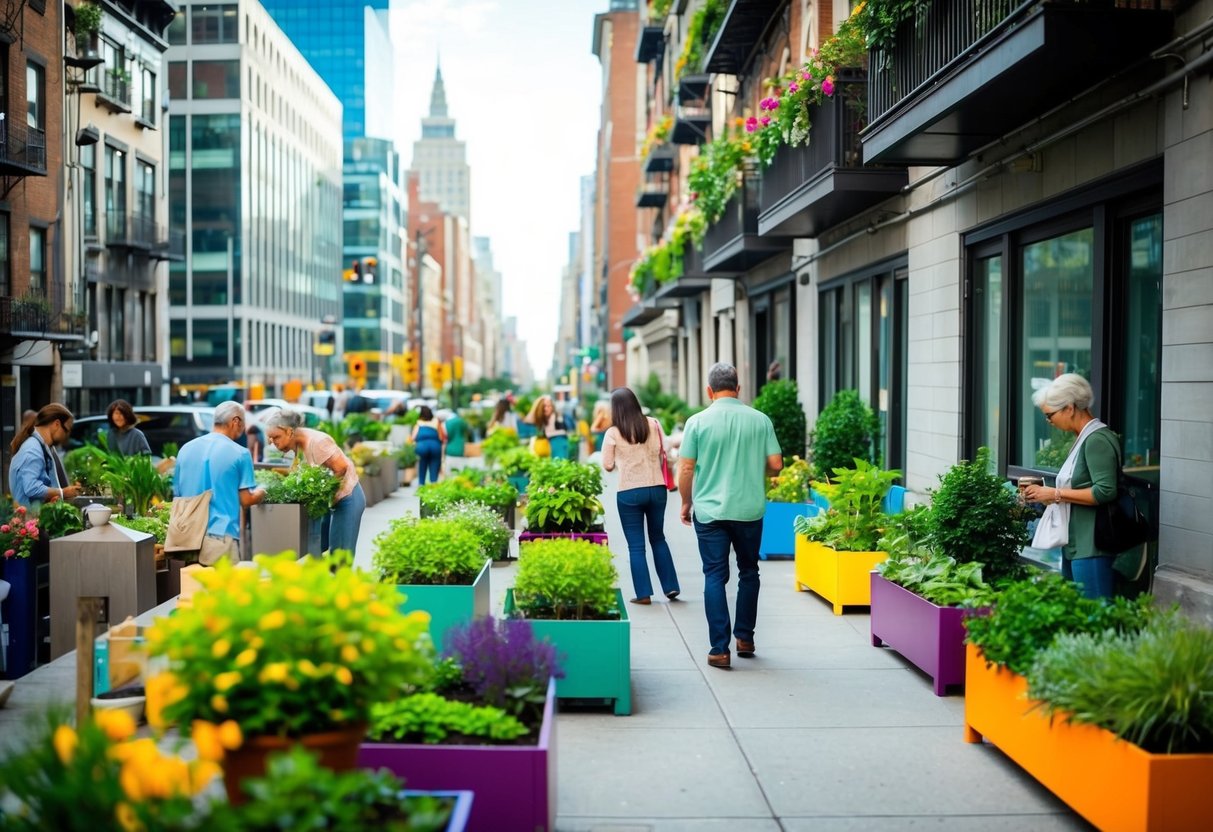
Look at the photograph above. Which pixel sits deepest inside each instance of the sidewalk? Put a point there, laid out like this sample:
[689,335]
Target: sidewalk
[818,731]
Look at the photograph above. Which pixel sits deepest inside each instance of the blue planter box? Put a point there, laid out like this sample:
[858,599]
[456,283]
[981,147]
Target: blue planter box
[893,503]
[778,537]
[18,611]
[448,605]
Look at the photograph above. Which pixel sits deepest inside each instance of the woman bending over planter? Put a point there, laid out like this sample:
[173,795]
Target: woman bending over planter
[634,444]
[339,530]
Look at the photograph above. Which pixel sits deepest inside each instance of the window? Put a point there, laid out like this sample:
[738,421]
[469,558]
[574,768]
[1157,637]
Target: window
[117,323]
[177,29]
[147,106]
[145,191]
[5,270]
[864,330]
[37,260]
[214,23]
[35,95]
[88,186]
[115,193]
[216,79]
[116,80]
[176,81]
[210,342]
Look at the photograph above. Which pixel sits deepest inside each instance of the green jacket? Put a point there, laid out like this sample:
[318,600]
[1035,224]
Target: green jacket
[1098,468]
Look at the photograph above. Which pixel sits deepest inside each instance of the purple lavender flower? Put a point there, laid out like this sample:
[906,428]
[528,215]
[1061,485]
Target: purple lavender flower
[503,662]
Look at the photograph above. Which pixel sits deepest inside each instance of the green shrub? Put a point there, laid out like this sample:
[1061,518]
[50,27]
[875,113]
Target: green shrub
[311,486]
[147,525]
[791,485]
[846,430]
[516,462]
[406,457]
[855,520]
[564,579]
[976,518]
[486,524]
[59,519]
[431,718]
[780,400]
[1153,687]
[502,439]
[1030,613]
[429,551]
[86,466]
[562,496]
[439,496]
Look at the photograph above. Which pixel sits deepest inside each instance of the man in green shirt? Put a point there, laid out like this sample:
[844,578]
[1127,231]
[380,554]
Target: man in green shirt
[727,453]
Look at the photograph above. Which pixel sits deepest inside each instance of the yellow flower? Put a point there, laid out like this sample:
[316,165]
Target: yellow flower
[246,658]
[65,742]
[230,735]
[117,725]
[342,601]
[124,813]
[272,620]
[306,667]
[226,681]
[163,691]
[220,648]
[202,772]
[295,595]
[219,703]
[274,672]
[368,645]
[131,784]
[379,609]
[349,654]
[206,739]
[343,675]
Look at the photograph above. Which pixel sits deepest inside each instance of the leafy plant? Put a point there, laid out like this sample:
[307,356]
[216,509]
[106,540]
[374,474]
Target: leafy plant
[147,525]
[879,21]
[716,172]
[169,450]
[503,663]
[975,518]
[311,486]
[297,793]
[940,580]
[516,462]
[136,480]
[365,428]
[657,135]
[1052,454]
[658,9]
[406,457]
[59,519]
[855,520]
[86,465]
[485,524]
[439,496]
[780,401]
[430,551]
[846,429]
[337,431]
[499,442]
[88,20]
[791,485]
[701,31]
[563,496]
[1032,612]
[565,579]
[18,534]
[431,718]
[1153,687]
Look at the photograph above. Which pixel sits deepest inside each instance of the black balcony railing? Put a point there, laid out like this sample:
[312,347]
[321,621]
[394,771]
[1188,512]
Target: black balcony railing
[654,193]
[650,43]
[134,230]
[731,245]
[691,124]
[660,159]
[744,24]
[983,67]
[22,149]
[116,91]
[41,316]
[170,244]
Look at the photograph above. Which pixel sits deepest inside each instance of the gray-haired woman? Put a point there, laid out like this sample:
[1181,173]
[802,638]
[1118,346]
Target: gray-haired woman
[1088,478]
[339,530]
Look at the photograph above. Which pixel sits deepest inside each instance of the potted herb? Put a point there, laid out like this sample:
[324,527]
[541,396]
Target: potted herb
[295,658]
[59,519]
[787,499]
[516,464]
[437,566]
[563,501]
[468,486]
[288,519]
[568,590]
[486,524]
[836,550]
[485,722]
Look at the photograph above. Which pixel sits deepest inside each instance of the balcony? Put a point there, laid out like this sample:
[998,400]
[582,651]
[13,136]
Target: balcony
[650,45]
[745,22]
[649,308]
[169,244]
[732,244]
[974,70]
[654,193]
[811,188]
[134,231]
[660,159]
[693,89]
[22,149]
[115,94]
[693,282]
[40,318]
[691,124]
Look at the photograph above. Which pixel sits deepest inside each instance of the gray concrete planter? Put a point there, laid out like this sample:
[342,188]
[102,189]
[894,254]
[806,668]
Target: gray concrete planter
[277,528]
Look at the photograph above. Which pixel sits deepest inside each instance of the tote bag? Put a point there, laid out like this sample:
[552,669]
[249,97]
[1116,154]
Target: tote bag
[187,523]
[667,473]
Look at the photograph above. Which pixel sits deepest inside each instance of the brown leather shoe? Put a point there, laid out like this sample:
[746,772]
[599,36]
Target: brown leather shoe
[645,600]
[720,660]
[745,649]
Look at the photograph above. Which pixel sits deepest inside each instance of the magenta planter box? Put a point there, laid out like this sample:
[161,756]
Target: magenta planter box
[593,537]
[930,637]
[515,785]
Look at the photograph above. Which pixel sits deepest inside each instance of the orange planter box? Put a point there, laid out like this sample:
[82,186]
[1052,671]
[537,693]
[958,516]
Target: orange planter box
[1110,782]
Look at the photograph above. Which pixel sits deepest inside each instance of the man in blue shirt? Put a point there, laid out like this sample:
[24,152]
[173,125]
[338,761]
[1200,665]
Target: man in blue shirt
[217,463]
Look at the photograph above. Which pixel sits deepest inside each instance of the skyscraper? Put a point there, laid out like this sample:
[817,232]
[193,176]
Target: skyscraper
[348,43]
[441,159]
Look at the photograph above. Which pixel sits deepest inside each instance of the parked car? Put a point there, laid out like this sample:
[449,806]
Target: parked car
[312,416]
[171,423]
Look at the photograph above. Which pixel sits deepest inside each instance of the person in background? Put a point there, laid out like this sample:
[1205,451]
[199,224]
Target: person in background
[633,444]
[728,451]
[254,438]
[124,438]
[456,434]
[550,425]
[599,422]
[429,437]
[1088,478]
[36,473]
[216,462]
[504,415]
[339,528]
[774,371]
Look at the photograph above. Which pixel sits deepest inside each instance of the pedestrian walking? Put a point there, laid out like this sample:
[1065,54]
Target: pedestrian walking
[727,452]
[504,415]
[634,444]
[550,426]
[600,420]
[456,428]
[339,528]
[429,438]
[216,463]
[36,474]
[124,438]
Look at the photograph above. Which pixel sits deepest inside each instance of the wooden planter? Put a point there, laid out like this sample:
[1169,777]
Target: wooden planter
[842,578]
[450,604]
[277,528]
[778,536]
[1112,783]
[596,655]
[929,636]
[515,785]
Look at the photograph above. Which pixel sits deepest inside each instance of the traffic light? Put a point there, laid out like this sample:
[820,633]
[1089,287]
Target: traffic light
[358,369]
[412,368]
[457,368]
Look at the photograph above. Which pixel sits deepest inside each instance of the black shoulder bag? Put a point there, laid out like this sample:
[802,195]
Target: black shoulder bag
[1120,524]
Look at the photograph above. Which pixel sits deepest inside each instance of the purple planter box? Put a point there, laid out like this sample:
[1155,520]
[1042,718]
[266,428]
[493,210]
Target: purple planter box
[515,785]
[930,637]
[593,537]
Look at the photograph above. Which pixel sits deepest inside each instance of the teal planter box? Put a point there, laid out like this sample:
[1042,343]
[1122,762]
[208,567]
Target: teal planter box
[448,605]
[596,655]
[778,535]
[520,483]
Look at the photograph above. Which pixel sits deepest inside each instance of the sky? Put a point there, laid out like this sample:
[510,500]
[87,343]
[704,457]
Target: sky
[525,91]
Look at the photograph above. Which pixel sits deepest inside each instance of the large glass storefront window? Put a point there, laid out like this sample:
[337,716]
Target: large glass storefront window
[1141,348]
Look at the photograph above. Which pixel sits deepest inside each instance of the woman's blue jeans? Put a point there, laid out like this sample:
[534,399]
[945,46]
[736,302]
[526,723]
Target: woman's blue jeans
[715,540]
[1093,575]
[636,507]
[344,521]
[429,460]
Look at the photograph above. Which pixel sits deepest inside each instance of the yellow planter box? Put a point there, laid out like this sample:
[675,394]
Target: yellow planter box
[1112,783]
[842,578]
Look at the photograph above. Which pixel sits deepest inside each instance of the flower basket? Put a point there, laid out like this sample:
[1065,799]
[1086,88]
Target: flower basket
[842,578]
[1111,782]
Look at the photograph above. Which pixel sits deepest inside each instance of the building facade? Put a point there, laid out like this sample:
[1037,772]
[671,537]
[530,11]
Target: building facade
[255,185]
[440,159]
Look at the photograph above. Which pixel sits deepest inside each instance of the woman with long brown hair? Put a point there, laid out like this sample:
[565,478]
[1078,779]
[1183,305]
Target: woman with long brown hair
[124,438]
[36,474]
[634,443]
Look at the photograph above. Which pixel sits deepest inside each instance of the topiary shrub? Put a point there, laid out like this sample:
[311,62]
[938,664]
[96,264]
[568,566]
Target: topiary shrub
[780,400]
[845,431]
[975,518]
[430,551]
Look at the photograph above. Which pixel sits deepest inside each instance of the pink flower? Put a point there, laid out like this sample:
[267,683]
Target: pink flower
[8,553]
[751,124]
[793,87]
[806,76]
[769,104]
[21,509]
[4,528]
[827,86]
[21,532]
[30,526]
[765,120]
